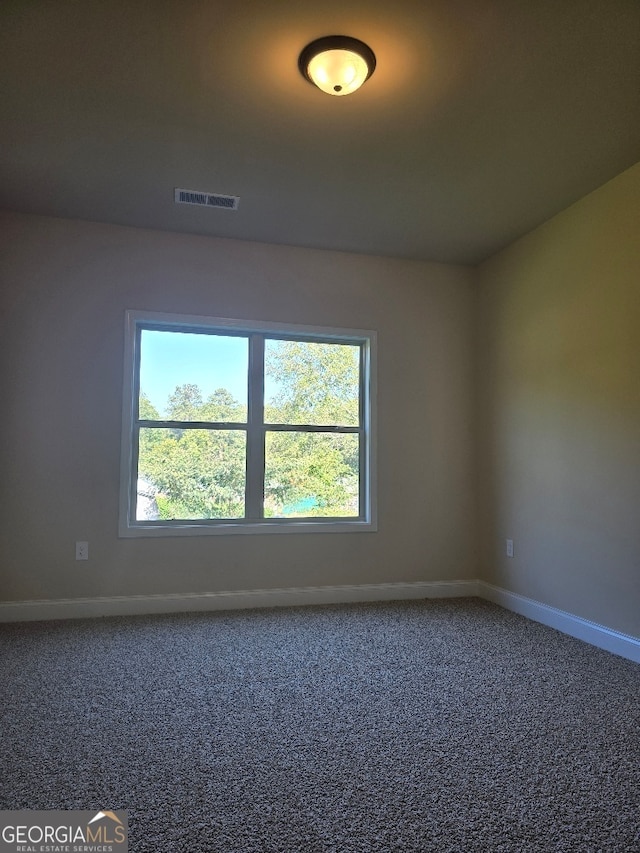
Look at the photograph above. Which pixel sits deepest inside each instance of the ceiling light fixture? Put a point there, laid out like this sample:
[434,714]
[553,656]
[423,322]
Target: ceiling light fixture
[338,65]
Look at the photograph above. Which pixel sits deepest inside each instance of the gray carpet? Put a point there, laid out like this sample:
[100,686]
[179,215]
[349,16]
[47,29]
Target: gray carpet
[421,726]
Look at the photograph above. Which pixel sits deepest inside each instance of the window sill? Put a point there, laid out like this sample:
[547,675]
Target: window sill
[151,531]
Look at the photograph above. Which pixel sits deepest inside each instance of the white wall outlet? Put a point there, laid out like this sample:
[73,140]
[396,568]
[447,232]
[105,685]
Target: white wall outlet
[509,547]
[82,550]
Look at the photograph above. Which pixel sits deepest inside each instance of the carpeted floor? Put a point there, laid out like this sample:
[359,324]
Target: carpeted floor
[412,726]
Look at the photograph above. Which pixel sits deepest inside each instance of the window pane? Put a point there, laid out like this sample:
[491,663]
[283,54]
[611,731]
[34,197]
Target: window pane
[311,383]
[190,474]
[193,377]
[311,474]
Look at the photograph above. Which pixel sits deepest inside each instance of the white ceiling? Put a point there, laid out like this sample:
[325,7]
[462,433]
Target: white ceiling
[483,117]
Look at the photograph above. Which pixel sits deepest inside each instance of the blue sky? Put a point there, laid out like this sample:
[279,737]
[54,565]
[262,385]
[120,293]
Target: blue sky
[209,361]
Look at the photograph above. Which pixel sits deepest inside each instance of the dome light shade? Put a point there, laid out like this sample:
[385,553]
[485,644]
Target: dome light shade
[338,65]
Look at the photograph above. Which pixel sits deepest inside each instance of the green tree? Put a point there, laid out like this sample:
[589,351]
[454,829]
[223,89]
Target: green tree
[148,437]
[317,383]
[185,404]
[222,406]
[199,473]
[148,411]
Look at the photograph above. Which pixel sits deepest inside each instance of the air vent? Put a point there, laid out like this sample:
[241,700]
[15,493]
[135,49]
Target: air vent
[228,202]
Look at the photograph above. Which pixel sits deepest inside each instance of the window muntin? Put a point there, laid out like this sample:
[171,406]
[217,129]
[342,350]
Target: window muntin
[285,442]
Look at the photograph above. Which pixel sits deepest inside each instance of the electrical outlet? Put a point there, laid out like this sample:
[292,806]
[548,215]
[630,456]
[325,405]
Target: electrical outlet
[509,547]
[82,550]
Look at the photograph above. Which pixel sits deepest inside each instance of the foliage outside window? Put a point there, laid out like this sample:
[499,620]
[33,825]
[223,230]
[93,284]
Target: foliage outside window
[234,428]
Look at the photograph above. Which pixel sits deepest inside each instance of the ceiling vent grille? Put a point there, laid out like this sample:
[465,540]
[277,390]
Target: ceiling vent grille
[227,202]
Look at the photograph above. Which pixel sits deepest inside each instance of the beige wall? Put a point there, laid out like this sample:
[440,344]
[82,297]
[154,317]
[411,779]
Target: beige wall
[544,339]
[559,402]
[65,288]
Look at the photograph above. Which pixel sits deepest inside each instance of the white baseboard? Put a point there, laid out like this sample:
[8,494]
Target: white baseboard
[78,608]
[597,635]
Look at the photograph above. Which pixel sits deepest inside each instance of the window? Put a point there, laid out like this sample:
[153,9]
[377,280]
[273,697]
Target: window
[232,427]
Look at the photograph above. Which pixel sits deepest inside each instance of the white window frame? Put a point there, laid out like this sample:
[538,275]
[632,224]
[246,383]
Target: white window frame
[367,521]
